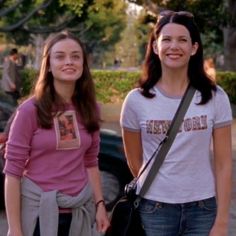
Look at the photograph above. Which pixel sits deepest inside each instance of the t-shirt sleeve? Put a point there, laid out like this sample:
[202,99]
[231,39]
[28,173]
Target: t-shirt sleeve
[129,113]
[223,111]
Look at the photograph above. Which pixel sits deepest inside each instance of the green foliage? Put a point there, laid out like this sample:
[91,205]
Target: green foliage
[28,77]
[98,23]
[227,80]
[113,86]
[55,13]
[106,20]
[75,6]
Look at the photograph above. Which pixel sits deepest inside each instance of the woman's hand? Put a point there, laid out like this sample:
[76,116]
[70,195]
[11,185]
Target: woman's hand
[102,219]
[14,233]
[219,229]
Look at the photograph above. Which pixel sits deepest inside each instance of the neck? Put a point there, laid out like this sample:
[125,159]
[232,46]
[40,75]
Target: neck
[174,84]
[65,90]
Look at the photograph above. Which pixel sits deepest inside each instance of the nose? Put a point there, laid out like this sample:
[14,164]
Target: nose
[174,44]
[68,60]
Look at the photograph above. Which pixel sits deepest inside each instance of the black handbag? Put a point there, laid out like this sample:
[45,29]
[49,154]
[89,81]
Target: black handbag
[125,219]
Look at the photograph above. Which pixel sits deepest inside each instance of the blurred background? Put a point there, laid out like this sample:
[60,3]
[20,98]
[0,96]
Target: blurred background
[115,31]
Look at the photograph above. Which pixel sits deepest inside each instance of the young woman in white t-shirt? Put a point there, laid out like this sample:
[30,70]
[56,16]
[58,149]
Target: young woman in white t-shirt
[187,196]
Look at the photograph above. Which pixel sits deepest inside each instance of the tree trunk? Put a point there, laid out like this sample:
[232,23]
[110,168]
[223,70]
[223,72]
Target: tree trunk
[230,48]
[38,40]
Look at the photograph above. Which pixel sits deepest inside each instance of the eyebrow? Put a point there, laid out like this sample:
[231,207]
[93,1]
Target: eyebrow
[73,52]
[170,35]
[179,36]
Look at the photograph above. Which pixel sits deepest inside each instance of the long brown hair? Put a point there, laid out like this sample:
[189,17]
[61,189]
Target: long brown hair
[48,101]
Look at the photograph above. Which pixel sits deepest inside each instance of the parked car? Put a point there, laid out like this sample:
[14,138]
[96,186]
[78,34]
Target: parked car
[112,164]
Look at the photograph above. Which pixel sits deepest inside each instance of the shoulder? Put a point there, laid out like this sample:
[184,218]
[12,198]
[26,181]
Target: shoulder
[27,105]
[25,115]
[134,94]
[220,90]
[220,93]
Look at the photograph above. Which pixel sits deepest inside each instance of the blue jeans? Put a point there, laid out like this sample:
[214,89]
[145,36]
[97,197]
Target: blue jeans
[63,225]
[188,219]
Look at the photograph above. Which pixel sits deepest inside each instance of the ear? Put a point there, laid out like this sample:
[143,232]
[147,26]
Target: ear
[194,48]
[154,47]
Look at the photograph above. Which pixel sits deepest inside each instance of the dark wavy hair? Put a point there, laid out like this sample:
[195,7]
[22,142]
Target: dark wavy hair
[152,70]
[48,102]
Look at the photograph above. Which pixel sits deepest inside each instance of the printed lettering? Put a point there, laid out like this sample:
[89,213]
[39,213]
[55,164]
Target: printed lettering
[190,124]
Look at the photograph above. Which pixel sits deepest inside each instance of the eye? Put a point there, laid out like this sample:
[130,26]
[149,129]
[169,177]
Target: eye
[183,40]
[165,39]
[76,57]
[59,57]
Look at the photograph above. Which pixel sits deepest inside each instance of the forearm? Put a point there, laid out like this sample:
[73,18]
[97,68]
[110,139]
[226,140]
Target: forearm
[223,173]
[101,214]
[95,181]
[133,150]
[12,201]
[223,191]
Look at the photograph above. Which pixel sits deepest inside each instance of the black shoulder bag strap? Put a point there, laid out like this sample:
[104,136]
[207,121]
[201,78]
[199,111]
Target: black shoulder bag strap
[163,148]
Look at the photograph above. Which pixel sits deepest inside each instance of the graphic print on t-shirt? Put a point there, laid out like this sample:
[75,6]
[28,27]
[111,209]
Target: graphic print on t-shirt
[67,131]
[161,127]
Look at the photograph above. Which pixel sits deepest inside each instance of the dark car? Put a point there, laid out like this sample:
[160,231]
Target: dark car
[112,164]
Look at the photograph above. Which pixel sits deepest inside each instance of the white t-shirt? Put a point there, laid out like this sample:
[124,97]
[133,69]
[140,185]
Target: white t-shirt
[186,174]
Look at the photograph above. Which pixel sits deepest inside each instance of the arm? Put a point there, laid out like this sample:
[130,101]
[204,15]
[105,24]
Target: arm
[222,145]
[8,125]
[16,157]
[101,214]
[12,201]
[133,150]
[4,134]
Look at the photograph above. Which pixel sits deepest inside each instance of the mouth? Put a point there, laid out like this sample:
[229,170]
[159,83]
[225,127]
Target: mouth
[69,70]
[174,56]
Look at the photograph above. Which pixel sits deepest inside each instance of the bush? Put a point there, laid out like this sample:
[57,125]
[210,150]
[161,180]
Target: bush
[112,85]
[28,76]
[227,80]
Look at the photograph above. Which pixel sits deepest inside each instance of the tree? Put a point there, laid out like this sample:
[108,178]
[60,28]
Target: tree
[216,23]
[98,23]
[106,20]
[230,36]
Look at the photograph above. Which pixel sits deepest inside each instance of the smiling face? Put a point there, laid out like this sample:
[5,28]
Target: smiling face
[66,61]
[174,46]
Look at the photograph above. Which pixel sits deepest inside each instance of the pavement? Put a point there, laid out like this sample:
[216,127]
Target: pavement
[110,116]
